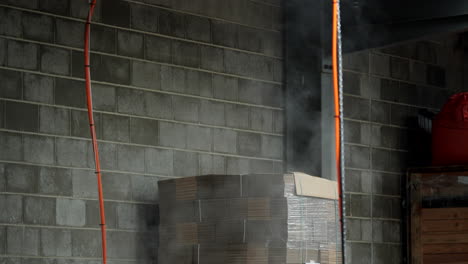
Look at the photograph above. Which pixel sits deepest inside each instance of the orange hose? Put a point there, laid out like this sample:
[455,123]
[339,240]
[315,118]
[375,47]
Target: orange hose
[89,100]
[336,96]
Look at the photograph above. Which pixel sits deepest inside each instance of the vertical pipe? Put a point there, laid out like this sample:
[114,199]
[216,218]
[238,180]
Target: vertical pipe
[338,100]
[92,127]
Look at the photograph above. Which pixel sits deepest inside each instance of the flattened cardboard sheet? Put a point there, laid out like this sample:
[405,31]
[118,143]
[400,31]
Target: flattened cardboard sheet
[312,186]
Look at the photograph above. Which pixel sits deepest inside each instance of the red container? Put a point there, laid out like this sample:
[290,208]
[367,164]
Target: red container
[450,132]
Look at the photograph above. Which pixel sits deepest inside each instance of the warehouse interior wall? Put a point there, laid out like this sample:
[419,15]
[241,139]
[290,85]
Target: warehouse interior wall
[181,88]
[384,91]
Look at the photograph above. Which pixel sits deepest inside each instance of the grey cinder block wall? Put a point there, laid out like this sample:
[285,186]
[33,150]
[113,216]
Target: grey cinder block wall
[180,88]
[384,90]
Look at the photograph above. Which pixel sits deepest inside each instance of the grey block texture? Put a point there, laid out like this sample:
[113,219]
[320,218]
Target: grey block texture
[180,88]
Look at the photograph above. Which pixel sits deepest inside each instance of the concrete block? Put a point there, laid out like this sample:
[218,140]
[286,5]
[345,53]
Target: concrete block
[72,152]
[417,72]
[116,13]
[402,115]
[112,69]
[390,137]
[158,105]
[386,207]
[399,68]
[136,216]
[3,235]
[386,254]
[116,128]
[171,23]
[144,18]
[358,181]
[104,97]
[56,242]
[386,231]
[10,22]
[39,149]
[79,9]
[225,141]
[380,64]
[145,188]
[11,87]
[359,253]
[198,28]
[70,93]
[425,51]
[172,135]
[2,178]
[103,39]
[194,81]
[84,184]
[199,138]
[237,116]
[55,181]
[3,51]
[54,120]
[23,241]
[70,212]
[2,114]
[250,39]
[146,75]
[272,43]
[237,165]
[357,157]
[261,119]
[131,158]
[69,33]
[159,161]
[353,83]
[118,245]
[39,210]
[212,58]
[11,145]
[263,166]
[359,230]
[12,211]
[360,205]
[22,55]
[278,122]
[21,179]
[272,147]
[158,49]
[391,161]
[186,109]
[80,124]
[177,78]
[251,91]
[38,88]
[270,95]
[55,7]
[167,78]
[126,99]
[21,116]
[186,54]
[224,33]
[212,164]
[380,112]
[358,61]
[93,217]
[38,27]
[108,155]
[86,243]
[144,131]
[130,44]
[356,108]
[357,132]
[386,183]
[212,113]
[249,144]
[225,87]
[185,164]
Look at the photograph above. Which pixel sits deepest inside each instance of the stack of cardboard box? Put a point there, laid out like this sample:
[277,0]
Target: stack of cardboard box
[248,219]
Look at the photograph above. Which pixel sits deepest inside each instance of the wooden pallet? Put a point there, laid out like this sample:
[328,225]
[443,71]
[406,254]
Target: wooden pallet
[438,234]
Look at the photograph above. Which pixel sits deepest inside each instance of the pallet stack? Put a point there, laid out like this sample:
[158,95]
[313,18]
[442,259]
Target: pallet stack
[246,219]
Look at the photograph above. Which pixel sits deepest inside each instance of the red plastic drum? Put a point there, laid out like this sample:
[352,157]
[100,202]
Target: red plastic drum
[450,132]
